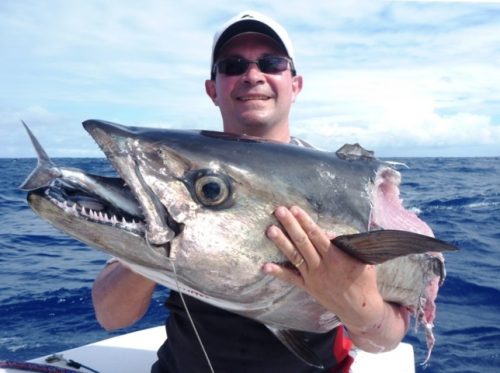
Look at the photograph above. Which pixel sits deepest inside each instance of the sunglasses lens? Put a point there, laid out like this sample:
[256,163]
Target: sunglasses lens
[232,66]
[273,65]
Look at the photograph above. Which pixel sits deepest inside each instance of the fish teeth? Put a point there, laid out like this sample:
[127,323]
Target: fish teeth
[100,216]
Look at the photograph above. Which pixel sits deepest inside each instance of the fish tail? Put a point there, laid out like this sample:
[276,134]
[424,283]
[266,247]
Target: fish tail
[44,172]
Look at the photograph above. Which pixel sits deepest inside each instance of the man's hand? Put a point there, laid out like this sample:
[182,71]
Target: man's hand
[342,284]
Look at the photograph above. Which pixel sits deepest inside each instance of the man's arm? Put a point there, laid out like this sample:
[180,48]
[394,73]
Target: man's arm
[341,283]
[385,335]
[120,296]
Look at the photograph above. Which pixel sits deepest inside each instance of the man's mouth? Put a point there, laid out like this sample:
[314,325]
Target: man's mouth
[253,98]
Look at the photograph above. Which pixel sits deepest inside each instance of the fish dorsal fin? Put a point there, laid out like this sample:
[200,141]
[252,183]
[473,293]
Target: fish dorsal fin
[353,152]
[297,346]
[376,247]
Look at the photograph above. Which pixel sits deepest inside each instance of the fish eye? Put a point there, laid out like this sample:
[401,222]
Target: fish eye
[211,190]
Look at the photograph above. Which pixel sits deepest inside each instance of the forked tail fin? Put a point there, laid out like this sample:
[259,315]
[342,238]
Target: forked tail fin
[45,170]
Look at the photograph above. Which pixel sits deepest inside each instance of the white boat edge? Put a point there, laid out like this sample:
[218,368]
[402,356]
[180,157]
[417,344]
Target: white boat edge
[135,353]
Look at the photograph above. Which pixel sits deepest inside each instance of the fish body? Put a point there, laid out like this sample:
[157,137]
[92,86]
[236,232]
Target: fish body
[199,203]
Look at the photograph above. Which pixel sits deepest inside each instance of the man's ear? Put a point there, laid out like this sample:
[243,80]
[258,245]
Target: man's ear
[211,91]
[297,83]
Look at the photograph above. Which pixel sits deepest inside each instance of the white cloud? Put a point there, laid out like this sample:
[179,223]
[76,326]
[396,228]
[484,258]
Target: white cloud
[397,76]
[393,111]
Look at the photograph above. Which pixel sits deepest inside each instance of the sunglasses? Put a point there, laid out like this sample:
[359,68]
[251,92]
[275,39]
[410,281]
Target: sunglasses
[234,66]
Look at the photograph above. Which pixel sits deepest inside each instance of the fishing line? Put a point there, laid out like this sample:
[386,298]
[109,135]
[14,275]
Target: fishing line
[191,319]
[187,310]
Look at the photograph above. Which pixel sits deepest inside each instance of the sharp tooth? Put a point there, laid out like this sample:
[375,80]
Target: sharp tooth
[123,220]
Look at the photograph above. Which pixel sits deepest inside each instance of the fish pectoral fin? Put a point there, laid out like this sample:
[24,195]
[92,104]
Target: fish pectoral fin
[297,346]
[379,246]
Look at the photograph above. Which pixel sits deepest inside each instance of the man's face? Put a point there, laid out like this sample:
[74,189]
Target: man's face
[254,102]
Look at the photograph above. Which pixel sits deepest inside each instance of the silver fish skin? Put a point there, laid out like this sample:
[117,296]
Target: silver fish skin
[206,199]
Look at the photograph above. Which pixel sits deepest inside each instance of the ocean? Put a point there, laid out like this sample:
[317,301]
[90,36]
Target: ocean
[46,277]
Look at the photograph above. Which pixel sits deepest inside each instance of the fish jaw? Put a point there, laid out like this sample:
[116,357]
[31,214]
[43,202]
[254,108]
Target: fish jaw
[116,236]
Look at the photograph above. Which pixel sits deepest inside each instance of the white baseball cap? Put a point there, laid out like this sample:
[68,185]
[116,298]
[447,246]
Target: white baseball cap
[251,21]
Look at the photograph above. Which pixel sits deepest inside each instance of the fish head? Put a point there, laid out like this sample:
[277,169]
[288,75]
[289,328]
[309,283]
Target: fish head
[208,199]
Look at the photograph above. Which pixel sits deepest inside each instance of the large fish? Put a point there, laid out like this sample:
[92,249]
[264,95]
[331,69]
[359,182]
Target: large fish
[191,208]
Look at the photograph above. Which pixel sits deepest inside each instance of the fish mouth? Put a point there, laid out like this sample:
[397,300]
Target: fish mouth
[92,208]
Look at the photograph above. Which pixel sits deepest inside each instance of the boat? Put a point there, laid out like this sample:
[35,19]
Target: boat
[135,352]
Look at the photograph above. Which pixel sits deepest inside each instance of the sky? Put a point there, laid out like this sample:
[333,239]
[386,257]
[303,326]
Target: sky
[402,78]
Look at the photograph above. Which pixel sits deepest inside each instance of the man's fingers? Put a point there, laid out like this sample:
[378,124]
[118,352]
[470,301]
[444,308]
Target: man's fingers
[283,274]
[287,248]
[318,238]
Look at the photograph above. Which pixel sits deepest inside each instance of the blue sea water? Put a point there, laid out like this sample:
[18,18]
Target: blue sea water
[46,277]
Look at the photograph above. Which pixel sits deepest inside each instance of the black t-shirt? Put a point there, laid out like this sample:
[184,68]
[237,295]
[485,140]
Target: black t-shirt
[233,343]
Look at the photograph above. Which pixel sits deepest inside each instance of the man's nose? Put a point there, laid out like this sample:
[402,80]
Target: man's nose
[253,73]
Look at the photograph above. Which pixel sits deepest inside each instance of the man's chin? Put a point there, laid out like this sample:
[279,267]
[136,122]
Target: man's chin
[256,123]
[256,116]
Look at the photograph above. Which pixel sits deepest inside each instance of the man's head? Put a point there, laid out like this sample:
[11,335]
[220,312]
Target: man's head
[246,22]
[253,79]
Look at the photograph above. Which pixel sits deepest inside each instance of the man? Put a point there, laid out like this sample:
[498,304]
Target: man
[254,83]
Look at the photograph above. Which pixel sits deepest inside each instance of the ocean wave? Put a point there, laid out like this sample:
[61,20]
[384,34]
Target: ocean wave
[31,320]
[456,287]
[462,202]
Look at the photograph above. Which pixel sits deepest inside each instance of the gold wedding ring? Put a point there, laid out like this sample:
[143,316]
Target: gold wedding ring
[299,263]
